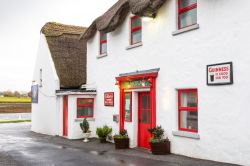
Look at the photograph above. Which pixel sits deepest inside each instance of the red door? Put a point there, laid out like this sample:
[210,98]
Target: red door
[65,115]
[144,119]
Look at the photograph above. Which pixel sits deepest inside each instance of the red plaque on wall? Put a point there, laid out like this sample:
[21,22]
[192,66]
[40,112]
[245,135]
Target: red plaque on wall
[109,98]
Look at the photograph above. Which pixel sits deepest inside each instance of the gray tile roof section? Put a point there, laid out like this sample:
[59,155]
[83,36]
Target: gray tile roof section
[156,70]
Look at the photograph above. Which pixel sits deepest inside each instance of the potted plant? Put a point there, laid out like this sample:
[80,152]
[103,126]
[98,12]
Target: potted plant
[121,140]
[158,144]
[85,129]
[103,133]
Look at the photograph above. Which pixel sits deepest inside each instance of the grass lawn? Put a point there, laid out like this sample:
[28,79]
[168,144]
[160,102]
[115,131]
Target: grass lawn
[15,100]
[14,121]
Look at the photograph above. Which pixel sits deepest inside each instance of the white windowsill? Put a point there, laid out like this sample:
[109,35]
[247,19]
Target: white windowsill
[186,134]
[81,119]
[189,28]
[134,46]
[102,55]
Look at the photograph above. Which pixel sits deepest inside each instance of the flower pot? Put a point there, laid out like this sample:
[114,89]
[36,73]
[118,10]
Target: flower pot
[160,148]
[121,143]
[102,140]
[86,136]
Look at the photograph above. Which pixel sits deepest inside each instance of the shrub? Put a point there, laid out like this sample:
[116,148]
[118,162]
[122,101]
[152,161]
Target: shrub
[157,133]
[85,126]
[122,134]
[103,132]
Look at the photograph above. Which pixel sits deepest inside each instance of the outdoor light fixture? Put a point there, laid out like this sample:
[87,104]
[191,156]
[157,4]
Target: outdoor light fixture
[147,19]
[117,82]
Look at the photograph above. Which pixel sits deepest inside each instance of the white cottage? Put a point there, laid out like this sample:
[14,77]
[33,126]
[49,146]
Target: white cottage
[187,69]
[59,74]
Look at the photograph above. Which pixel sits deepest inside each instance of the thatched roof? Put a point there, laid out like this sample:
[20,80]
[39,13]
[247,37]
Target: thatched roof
[111,19]
[68,53]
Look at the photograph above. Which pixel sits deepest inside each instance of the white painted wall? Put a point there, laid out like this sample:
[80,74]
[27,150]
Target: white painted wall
[44,113]
[223,113]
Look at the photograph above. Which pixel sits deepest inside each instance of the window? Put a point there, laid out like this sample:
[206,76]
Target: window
[103,43]
[188,110]
[187,13]
[85,107]
[135,34]
[128,106]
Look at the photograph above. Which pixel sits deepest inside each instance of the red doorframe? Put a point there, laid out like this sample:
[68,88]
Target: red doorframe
[65,115]
[152,79]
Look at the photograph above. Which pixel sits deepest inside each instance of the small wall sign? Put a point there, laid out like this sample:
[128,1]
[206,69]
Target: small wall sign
[220,74]
[109,98]
[34,93]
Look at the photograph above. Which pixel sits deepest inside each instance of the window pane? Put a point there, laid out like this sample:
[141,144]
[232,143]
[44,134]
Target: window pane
[85,101]
[127,108]
[104,36]
[185,3]
[188,18]
[189,120]
[136,37]
[188,99]
[84,111]
[104,48]
[136,22]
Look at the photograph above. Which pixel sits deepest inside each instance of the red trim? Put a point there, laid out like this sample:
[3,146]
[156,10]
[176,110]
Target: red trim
[152,77]
[102,42]
[65,115]
[130,120]
[138,76]
[85,105]
[183,10]
[132,30]
[188,109]
[121,108]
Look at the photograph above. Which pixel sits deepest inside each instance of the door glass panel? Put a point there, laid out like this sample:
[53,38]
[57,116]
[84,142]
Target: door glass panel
[144,102]
[143,116]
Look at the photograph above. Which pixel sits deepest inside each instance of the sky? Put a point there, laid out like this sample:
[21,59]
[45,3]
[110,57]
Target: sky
[20,25]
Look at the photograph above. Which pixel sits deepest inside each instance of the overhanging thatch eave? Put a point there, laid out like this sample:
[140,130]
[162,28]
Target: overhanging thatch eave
[114,17]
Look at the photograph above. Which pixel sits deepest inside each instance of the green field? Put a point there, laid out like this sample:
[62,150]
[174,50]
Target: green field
[14,121]
[15,100]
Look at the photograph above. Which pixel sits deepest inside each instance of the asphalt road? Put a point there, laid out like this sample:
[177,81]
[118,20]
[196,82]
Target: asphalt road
[21,147]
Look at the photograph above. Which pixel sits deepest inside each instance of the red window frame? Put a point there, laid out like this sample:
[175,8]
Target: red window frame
[132,30]
[102,42]
[130,93]
[183,10]
[85,105]
[189,109]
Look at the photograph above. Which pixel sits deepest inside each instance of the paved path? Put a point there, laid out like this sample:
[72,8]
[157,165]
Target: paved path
[15,116]
[21,147]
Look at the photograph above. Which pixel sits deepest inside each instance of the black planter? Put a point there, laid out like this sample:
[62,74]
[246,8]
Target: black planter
[160,148]
[122,143]
[102,140]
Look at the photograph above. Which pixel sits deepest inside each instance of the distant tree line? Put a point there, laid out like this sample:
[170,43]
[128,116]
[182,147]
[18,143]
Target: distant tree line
[10,93]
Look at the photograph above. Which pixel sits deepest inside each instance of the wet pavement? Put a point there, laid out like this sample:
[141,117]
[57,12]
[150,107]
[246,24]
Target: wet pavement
[21,147]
